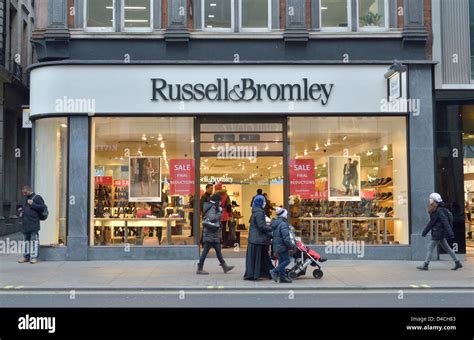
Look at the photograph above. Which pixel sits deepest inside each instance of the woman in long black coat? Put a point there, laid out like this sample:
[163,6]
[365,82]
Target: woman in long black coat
[258,262]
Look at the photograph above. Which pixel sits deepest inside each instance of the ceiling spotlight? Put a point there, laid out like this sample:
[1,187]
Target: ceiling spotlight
[385,148]
[324,165]
[305,152]
[316,148]
[266,147]
[344,138]
[369,153]
[162,145]
[160,138]
[192,141]
[328,142]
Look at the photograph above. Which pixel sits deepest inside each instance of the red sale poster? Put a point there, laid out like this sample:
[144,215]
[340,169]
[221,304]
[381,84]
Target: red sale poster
[104,180]
[182,176]
[302,177]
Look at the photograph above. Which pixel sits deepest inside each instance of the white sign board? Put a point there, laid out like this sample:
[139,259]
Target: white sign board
[195,89]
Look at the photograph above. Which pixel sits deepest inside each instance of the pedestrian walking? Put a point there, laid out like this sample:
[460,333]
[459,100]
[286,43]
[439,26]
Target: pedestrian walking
[258,262]
[212,212]
[33,210]
[281,244]
[441,227]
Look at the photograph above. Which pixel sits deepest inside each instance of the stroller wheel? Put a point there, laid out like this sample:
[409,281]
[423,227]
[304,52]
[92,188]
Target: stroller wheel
[292,275]
[317,273]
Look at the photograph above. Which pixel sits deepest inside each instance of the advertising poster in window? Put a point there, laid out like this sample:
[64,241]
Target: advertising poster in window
[145,179]
[182,177]
[344,178]
[302,178]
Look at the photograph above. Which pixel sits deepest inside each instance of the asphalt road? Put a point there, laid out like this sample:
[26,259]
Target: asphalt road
[241,298]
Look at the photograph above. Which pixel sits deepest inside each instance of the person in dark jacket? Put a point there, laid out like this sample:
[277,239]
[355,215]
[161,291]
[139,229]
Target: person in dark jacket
[440,228]
[259,193]
[282,245]
[32,207]
[258,262]
[212,238]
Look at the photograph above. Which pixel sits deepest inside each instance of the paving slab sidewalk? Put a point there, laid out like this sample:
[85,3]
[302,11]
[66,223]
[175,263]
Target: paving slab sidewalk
[180,274]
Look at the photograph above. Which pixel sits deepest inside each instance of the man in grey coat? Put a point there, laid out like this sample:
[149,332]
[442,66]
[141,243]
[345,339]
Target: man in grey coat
[33,206]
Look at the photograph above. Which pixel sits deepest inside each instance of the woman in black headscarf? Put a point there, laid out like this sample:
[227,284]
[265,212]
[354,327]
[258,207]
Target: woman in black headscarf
[258,262]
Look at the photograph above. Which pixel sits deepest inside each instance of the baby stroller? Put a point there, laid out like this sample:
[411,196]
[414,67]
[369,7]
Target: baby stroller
[303,258]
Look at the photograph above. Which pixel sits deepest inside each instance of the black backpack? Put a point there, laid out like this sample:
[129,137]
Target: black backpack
[450,217]
[45,213]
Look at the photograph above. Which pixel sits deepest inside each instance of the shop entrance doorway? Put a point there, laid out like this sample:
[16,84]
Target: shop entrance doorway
[468,167]
[239,157]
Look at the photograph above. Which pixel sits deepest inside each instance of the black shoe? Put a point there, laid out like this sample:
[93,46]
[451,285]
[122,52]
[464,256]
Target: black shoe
[457,265]
[285,279]
[201,271]
[424,266]
[226,268]
[322,259]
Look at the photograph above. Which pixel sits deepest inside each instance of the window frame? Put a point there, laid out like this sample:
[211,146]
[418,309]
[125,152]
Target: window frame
[100,29]
[218,29]
[336,29]
[136,29]
[256,29]
[377,28]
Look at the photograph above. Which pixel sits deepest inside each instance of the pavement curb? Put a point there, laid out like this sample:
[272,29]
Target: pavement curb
[223,288]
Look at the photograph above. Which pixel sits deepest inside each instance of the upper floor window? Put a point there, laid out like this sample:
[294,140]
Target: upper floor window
[218,15]
[100,15]
[253,15]
[137,15]
[335,15]
[373,15]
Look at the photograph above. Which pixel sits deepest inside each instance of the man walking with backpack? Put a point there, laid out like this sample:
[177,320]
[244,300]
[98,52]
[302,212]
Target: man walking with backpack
[32,212]
[441,226]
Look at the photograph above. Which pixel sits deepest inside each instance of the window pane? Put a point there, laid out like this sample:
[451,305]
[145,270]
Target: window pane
[140,176]
[255,13]
[354,167]
[371,13]
[217,14]
[471,24]
[100,13]
[51,176]
[137,13]
[334,13]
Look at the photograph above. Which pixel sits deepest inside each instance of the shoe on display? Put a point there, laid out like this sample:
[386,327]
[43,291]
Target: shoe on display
[386,181]
[389,195]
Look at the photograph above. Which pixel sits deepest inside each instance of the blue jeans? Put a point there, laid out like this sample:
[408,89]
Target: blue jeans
[31,245]
[283,261]
[207,246]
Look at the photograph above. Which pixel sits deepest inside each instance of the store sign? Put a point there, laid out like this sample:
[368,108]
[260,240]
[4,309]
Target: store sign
[182,177]
[302,178]
[207,89]
[103,180]
[247,89]
[106,147]
[27,124]
[214,179]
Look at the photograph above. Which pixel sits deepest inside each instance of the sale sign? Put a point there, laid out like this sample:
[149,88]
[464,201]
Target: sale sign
[103,180]
[302,177]
[182,176]
[121,182]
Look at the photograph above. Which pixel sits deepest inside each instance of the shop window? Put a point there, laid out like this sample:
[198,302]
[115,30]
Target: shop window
[255,15]
[335,15]
[100,15]
[137,15]
[142,182]
[218,15]
[51,143]
[471,26]
[372,15]
[348,179]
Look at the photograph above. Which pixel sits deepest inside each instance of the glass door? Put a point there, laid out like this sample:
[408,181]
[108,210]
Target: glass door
[239,159]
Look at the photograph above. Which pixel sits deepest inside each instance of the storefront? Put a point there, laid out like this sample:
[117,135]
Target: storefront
[124,152]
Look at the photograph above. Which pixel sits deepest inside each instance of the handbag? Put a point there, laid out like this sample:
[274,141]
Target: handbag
[211,226]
